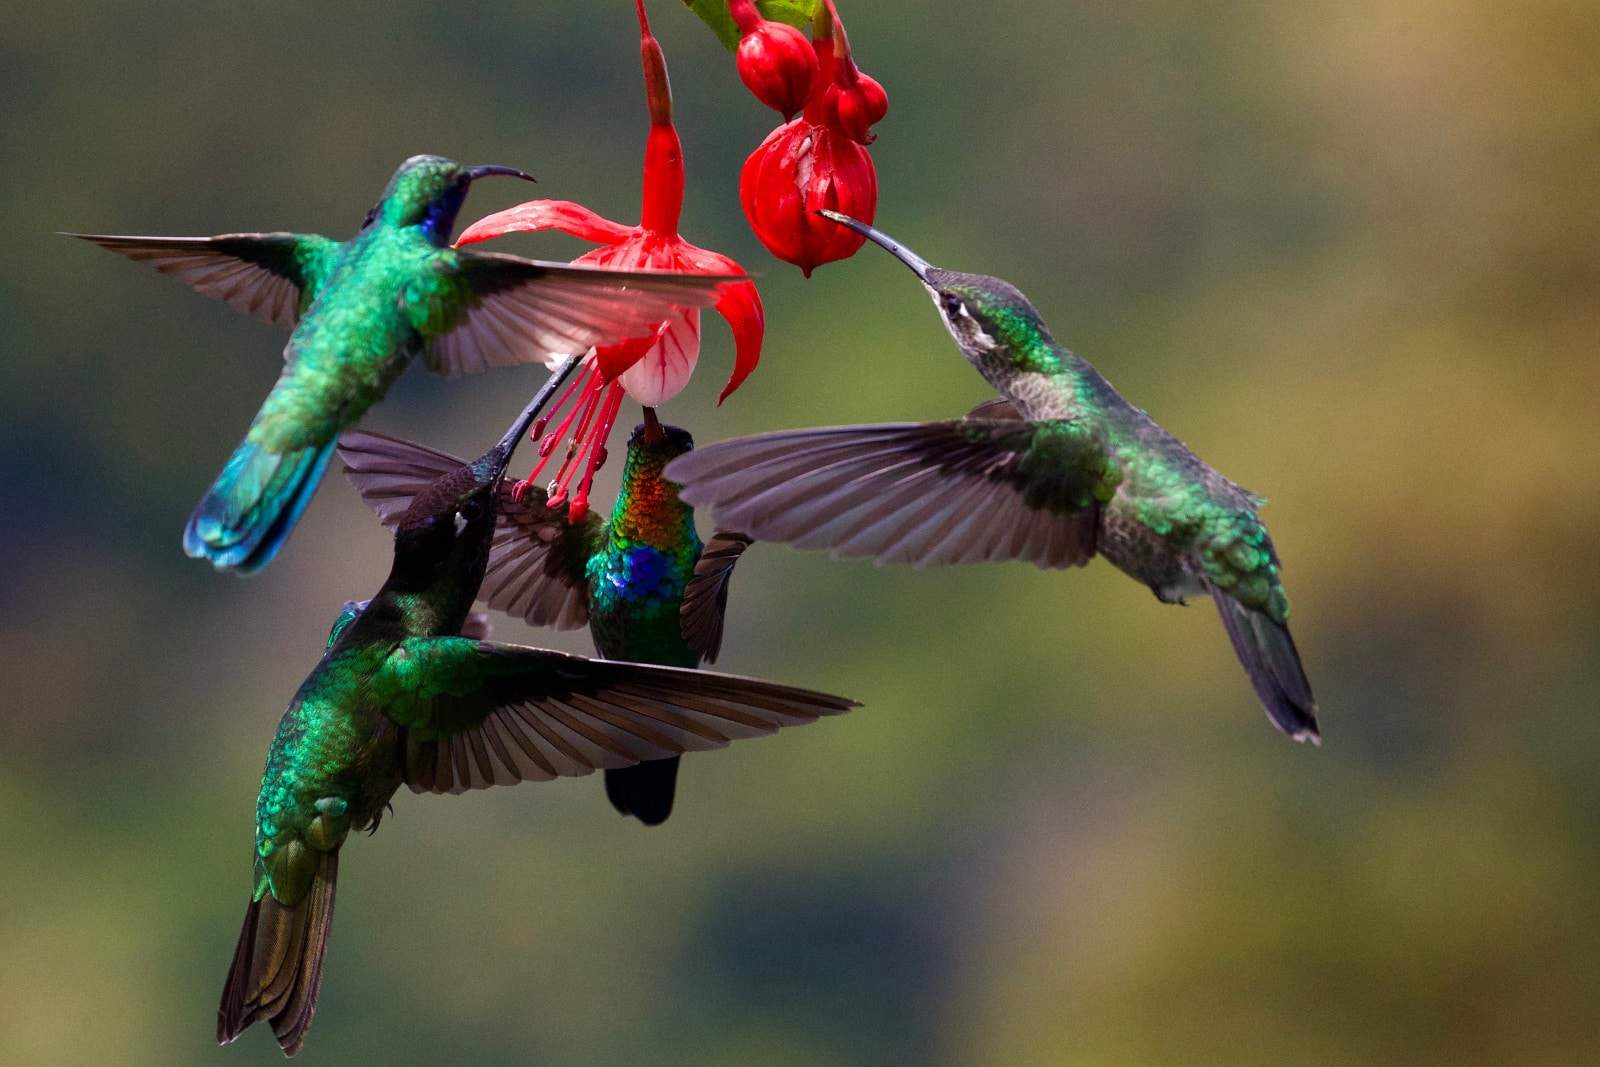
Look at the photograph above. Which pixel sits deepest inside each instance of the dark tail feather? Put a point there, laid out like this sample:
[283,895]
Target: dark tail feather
[645,790]
[248,513]
[277,964]
[1269,657]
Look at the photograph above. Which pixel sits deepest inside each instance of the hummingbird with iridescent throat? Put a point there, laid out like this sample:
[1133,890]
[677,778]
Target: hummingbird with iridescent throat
[1060,468]
[642,581]
[361,310]
[403,695]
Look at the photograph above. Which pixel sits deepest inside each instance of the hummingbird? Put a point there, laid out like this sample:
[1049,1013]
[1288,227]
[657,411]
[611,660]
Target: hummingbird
[360,311]
[403,696]
[1058,469]
[642,581]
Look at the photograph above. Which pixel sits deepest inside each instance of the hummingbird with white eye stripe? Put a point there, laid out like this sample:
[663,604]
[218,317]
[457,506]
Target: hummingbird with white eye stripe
[1059,469]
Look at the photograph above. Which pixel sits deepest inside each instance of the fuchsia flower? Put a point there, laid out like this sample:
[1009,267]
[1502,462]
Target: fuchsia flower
[651,369]
[775,60]
[818,160]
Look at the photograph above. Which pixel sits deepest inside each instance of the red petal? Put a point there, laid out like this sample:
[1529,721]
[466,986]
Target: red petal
[613,360]
[740,304]
[538,215]
[737,302]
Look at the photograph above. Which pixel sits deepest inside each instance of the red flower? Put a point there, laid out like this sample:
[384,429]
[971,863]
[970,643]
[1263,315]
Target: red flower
[651,369]
[818,161]
[775,60]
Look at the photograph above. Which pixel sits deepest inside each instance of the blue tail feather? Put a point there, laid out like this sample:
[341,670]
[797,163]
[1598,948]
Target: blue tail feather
[251,509]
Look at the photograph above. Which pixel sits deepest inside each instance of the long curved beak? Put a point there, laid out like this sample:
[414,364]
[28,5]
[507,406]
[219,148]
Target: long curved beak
[487,170]
[919,266]
[500,455]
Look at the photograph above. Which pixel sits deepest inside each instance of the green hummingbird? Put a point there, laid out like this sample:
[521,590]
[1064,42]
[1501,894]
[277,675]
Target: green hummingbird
[1059,469]
[360,310]
[403,696]
[647,587]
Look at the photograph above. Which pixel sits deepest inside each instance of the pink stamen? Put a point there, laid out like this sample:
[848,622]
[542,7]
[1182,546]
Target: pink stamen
[547,444]
[597,453]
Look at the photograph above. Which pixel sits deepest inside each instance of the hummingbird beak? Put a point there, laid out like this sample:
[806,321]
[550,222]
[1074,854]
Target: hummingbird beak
[654,432]
[919,266]
[500,455]
[486,170]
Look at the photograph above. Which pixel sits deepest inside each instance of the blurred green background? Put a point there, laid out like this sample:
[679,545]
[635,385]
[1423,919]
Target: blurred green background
[1346,251]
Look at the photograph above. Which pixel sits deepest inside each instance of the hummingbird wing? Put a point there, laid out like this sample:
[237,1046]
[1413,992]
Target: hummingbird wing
[514,310]
[960,491]
[536,558]
[537,561]
[271,276]
[477,714]
[389,473]
[705,598]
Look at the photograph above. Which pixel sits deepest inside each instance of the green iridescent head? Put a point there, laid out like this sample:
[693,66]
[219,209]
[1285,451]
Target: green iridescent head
[428,191]
[984,314]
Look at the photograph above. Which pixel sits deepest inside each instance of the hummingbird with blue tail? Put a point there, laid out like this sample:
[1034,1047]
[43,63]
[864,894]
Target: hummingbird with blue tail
[405,695]
[361,310]
[642,581]
[1058,469]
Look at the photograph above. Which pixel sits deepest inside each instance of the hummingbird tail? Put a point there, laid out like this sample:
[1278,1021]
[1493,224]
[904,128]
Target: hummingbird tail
[1273,663]
[249,512]
[277,966]
[644,791]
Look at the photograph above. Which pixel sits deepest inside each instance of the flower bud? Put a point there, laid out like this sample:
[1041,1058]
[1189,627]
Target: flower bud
[799,169]
[775,60]
[855,108]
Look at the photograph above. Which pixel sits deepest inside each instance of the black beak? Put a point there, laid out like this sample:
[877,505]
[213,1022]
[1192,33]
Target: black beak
[919,266]
[500,455]
[487,170]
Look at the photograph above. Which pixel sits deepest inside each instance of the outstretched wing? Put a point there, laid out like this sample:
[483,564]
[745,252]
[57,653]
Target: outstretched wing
[271,276]
[389,472]
[536,559]
[478,714]
[960,491]
[705,599]
[514,310]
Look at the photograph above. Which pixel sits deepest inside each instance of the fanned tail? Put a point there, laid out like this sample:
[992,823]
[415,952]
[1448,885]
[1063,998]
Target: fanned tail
[644,791]
[249,512]
[277,965]
[1270,658]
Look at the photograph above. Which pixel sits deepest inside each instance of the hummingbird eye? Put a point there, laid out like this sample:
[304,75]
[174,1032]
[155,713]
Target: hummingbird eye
[954,308]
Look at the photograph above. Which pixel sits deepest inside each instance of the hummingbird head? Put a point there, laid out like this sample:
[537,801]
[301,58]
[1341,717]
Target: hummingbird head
[985,315]
[658,440]
[428,191]
[447,529]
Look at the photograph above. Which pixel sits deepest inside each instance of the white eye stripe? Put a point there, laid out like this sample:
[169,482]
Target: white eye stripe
[461,523]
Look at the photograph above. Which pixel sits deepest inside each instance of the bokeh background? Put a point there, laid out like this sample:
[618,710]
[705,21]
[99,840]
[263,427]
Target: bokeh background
[1346,251]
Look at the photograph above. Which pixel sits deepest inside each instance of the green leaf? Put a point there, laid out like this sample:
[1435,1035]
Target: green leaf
[714,13]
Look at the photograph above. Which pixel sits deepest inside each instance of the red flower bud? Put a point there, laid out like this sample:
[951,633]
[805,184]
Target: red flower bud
[775,60]
[856,108]
[800,168]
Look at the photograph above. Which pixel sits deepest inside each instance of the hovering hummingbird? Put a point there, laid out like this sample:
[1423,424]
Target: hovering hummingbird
[1061,468]
[360,310]
[642,581]
[402,696]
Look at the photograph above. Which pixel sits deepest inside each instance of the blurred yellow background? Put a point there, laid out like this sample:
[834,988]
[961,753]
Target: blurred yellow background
[1346,251]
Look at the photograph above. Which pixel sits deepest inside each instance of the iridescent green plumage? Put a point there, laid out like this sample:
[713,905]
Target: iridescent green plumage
[401,695]
[641,580]
[1061,469]
[361,311]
